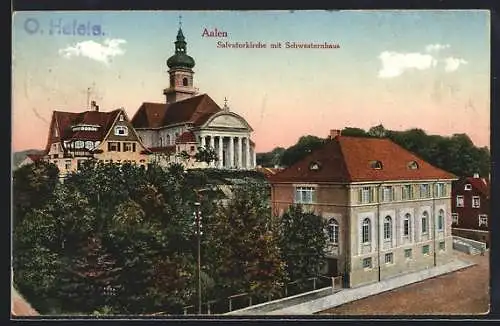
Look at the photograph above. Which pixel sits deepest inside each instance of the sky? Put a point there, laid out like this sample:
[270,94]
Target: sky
[401,69]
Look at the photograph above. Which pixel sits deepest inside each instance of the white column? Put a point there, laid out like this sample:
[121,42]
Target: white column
[255,160]
[212,146]
[221,162]
[231,152]
[240,152]
[203,141]
[247,163]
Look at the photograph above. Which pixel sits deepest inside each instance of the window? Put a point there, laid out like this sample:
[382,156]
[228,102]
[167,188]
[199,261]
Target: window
[184,81]
[407,225]
[468,187]
[440,220]
[366,231]
[127,147]
[79,164]
[442,245]
[425,222]
[425,191]
[191,148]
[67,165]
[387,194]
[133,147]
[333,231]
[476,202]
[425,250]
[460,201]
[440,190]
[408,253]
[168,140]
[377,165]
[113,147]
[305,195]
[121,131]
[121,118]
[387,228]
[389,258]
[365,195]
[413,165]
[454,218]
[367,262]
[483,219]
[407,192]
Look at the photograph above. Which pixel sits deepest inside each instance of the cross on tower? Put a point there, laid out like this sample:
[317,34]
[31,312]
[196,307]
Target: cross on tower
[226,108]
[180,21]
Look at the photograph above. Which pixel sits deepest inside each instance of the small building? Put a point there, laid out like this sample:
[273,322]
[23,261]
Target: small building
[104,136]
[30,159]
[388,211]
[471,208]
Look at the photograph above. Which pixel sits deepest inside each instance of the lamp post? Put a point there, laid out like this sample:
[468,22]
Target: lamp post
[198,232]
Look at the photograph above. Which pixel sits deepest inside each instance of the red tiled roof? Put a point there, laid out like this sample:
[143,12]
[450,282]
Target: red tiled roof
[35,157]
[67,119]
[480,184]
[186,137]
[348,159]
[194,110]
[269,171]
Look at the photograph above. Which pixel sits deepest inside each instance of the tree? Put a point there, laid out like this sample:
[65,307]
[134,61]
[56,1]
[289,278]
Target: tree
[304,147]
[353,132]
[377,131]
[240,249]
[206,154]
[303,242]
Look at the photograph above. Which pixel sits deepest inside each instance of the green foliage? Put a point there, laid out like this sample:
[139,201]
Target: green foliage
[304,147]
[206,154]
[302,241]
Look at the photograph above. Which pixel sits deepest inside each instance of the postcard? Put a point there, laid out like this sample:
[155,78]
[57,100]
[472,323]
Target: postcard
[215,163]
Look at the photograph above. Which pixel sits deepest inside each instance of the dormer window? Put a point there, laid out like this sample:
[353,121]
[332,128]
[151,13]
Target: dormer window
[314,166]
[468,187]
[121,131]
[413,165]
[377,165]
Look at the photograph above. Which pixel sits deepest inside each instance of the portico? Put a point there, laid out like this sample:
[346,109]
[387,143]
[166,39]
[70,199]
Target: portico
[234,151]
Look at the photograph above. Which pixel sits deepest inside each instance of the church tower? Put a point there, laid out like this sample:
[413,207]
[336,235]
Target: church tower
[181,72]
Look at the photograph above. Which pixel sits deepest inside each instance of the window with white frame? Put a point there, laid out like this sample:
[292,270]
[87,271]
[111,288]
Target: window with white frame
[305,195]
[121,131]
[440,220]
[389,258]
[365,195]
[121,118]
[366,231]
[483,220]
[442,246]
[454,218]
[407,225]
[367,262]
[407,192]
[468,187]
[425,249]
[333,231]
[476,202]
[440,189]
[387,194]
[67,165]
[387,228]
[425,222]
[460,201]
[408,253]
[425,191]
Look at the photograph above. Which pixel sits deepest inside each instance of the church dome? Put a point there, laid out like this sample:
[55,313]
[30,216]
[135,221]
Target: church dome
[180,59]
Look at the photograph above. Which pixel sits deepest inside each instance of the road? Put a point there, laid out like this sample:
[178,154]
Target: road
[462,292]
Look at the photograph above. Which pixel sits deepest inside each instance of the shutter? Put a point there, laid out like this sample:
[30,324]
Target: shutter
[313,195]
[133,147]
[360,195]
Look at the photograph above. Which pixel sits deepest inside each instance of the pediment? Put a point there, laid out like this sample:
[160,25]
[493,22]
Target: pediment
[227,121]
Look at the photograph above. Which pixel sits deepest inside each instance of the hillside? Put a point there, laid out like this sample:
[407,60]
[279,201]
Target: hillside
[18,157]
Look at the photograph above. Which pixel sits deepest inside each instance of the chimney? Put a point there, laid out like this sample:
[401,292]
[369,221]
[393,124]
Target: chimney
[94,106]
[334,133]
[476,175]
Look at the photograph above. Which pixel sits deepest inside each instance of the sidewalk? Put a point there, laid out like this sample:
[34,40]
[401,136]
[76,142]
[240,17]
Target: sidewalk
[347,295]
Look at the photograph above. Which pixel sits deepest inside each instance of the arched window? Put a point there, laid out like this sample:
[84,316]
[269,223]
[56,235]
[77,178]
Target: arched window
[387,228]
[366,231]
[407,225]
[333,231]
[425,222]
[184,81]
[168,139]
[441,220]
[161,142]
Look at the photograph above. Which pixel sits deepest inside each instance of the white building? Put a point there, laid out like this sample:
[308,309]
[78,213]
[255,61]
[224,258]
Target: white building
[189,120]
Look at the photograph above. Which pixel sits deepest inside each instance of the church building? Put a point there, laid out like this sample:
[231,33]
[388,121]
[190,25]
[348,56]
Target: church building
[188,121]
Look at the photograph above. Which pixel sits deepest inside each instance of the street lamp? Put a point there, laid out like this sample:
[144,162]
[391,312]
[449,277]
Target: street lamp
[198,232]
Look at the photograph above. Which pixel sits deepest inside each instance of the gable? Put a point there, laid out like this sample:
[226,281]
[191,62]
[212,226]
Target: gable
[227,121]
[125,125]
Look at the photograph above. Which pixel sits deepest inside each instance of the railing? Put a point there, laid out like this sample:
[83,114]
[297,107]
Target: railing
[245,299]
[468,246]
